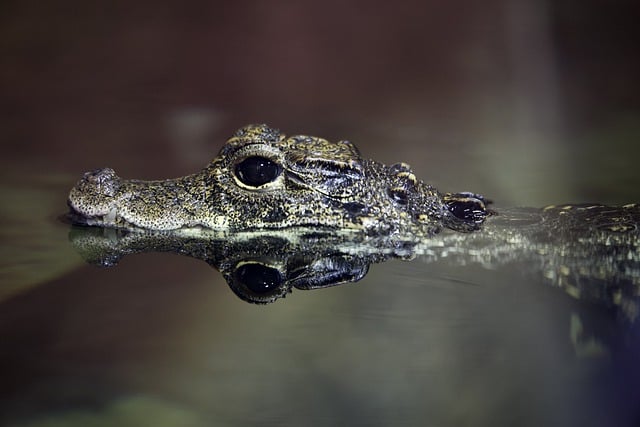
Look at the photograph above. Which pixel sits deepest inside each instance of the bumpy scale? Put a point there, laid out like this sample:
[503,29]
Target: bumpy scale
[263,179]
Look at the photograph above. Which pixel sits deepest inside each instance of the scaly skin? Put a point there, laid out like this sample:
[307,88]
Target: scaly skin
[319,183]
[590,251]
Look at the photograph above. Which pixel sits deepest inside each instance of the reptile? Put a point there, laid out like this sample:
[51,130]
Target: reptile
[309,192]
[262,179]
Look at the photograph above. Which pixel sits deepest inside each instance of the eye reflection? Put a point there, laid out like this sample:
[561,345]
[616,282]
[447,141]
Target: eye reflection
[259,278]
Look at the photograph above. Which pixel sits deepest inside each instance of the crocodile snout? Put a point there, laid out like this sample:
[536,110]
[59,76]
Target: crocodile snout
[94,196]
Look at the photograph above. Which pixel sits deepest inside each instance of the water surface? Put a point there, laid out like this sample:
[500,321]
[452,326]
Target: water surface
[160,338]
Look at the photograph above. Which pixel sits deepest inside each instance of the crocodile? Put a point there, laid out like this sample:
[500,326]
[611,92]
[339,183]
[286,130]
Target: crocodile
[263,179]
[314,191]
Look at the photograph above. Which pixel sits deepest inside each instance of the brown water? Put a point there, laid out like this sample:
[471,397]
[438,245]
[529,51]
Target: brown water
[512,99]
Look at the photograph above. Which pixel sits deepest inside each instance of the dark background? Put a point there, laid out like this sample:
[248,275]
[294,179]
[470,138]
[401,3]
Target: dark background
[535,102]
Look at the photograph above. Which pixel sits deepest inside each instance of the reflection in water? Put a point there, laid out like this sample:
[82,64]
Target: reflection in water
[591,252]
[408,346]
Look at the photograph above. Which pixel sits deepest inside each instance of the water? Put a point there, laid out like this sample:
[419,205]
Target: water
[161,339]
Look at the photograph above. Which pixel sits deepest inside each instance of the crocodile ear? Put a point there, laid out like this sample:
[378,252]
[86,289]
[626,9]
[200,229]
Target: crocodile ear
[333,179]
[331,168]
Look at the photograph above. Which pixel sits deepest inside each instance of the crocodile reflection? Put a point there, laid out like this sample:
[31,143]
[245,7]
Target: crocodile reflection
[590,252]
[259,267]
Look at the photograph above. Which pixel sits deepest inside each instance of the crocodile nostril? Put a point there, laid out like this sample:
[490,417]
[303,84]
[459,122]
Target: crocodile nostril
[103,181]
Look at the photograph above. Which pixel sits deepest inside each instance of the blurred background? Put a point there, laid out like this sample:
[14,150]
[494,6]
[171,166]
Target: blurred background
[536,101]
[529,102]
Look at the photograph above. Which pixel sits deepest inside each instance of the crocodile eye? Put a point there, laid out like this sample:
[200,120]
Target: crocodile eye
[255,171]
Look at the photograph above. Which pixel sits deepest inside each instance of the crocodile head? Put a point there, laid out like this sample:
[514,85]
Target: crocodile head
[263,179]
